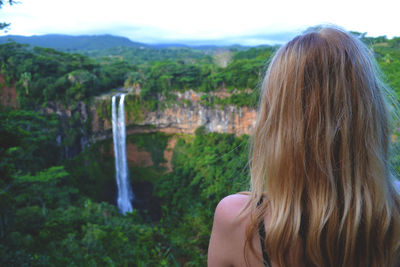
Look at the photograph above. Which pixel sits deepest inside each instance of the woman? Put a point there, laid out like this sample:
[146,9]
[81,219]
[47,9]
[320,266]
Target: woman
[321,190]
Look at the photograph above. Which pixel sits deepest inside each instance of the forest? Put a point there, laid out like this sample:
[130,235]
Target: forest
[57,197]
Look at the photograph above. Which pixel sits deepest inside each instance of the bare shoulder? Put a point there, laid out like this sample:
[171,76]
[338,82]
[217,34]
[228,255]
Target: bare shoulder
[226,241]
[226,218]
[229,208]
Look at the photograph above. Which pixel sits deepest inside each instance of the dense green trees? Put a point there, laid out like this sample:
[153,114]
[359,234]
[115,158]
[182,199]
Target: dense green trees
[206,169]
[52,214]
[43,75]
[145,55]
[48,216]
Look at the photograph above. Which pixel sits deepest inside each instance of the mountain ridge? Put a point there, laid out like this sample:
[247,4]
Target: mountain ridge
[71,43]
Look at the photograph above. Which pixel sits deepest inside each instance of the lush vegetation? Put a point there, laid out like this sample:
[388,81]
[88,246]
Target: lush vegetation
[145,55]
[109,47]
[387,53]
[206,169]
[44,75]
[55,212]
[58,208]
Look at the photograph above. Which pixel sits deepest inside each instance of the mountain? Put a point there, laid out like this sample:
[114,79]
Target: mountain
[73,43]
[117,47]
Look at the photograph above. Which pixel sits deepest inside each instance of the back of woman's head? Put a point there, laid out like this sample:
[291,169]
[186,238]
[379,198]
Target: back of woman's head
[320,155]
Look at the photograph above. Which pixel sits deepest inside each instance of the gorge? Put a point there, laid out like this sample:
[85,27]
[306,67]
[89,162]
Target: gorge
[151,137]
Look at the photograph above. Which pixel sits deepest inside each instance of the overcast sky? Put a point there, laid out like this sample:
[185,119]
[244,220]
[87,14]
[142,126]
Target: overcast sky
[247,22]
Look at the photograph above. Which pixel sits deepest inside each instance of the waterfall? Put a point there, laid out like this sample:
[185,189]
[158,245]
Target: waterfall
[125,194]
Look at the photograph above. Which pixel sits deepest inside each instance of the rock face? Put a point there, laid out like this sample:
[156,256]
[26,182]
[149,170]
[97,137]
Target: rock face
[187,119]
[185,116]
[138,157]
[168,153]
[141,158]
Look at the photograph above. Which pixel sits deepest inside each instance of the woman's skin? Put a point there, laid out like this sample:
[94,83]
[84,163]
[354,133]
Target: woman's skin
[227,240]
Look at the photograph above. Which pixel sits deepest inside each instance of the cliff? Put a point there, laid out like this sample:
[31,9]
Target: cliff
[84,124]
[184,115]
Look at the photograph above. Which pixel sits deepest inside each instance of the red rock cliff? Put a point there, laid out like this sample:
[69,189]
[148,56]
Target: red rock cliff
[183,118]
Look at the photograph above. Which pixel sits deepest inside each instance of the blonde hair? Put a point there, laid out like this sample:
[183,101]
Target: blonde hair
[320,156]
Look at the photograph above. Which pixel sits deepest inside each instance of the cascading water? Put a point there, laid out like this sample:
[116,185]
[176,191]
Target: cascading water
[125,194]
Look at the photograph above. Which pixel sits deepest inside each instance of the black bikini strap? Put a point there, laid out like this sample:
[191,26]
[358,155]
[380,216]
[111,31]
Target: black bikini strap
[261,232]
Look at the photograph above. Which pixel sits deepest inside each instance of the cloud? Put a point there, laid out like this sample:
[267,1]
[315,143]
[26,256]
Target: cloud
[154,21]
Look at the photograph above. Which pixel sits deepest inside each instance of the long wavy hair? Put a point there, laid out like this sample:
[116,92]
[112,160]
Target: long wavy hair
[319,156]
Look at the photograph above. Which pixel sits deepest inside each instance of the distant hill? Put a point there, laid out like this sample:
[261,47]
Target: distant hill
[110,47]
[99,42]
[73,43]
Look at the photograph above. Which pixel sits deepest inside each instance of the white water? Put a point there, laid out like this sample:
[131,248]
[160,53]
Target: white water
[125,195]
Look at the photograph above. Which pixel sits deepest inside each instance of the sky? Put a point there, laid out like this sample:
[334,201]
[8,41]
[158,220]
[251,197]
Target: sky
[245,22]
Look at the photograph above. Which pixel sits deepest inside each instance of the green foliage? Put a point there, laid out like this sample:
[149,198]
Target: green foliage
[389,62]
[44,74]
[88,234]
[103,109]
[54,217]
[95,166]
[238,99]
[145,174]
[135,108]
[170,75]
[163,77]
[49,175]
[205,170]
[244,73]
[261,52]
[27,141]
[145,55]
[243,99]
[43,189]
[45,222]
